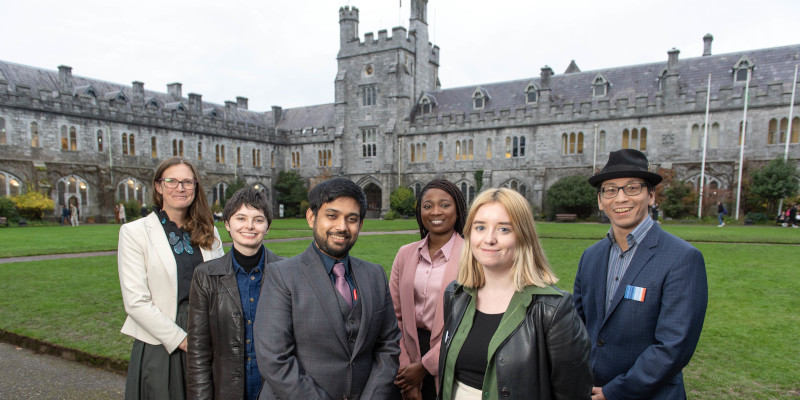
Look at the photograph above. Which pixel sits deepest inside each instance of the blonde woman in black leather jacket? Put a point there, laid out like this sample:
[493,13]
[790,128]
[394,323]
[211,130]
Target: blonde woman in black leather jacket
[509,333]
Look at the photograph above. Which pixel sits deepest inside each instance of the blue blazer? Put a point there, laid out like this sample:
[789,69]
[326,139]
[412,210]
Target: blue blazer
[640,347]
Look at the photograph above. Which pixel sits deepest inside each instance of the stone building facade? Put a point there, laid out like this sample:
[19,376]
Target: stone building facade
[95,143]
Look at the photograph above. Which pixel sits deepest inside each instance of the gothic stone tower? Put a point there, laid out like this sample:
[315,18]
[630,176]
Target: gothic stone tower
[377,84]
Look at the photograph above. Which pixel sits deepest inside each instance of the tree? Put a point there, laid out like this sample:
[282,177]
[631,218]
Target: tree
[679,200]
[8,209]
[402,201]
[33,205]
[291,192]
[777,180]
[572,194]
[478,180]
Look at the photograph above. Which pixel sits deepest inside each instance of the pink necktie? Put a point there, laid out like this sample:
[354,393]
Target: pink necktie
[341,283]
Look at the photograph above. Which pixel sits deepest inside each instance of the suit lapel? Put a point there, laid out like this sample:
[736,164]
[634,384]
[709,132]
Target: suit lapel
[162,248]
[366,296]
[320,283]
[644,253]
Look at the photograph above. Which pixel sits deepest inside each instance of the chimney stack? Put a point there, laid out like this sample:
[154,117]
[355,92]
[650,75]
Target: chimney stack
[174,90]
[65,78]
[241,102]
[672,61]
[138,93]
[276,114]
[547,72]
[707,39]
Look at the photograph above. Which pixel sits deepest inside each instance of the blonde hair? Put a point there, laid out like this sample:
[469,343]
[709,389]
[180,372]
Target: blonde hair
[530,264]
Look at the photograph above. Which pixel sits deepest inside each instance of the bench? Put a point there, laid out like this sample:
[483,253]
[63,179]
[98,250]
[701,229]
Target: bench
[566,217]
[3,221]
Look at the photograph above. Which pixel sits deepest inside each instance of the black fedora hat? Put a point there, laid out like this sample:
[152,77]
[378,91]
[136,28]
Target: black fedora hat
[626,163]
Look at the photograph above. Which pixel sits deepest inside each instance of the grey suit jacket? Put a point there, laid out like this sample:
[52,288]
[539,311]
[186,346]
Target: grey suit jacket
[301,344]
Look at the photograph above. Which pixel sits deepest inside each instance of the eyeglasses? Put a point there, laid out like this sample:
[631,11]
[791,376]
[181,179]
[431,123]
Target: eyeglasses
[171,183]
[631,189]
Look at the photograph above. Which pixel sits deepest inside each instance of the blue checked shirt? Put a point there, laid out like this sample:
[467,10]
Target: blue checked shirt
[249,290]
[619,260]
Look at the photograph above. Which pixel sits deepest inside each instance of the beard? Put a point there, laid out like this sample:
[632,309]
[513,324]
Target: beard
[334,251]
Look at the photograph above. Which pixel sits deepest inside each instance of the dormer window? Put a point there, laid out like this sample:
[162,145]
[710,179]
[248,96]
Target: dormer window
[425,106]
[151,104]
[741,68]
[600,86]
[531,93]
[479,99]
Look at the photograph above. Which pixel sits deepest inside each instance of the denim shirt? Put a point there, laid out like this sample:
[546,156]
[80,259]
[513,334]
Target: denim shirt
[249,290]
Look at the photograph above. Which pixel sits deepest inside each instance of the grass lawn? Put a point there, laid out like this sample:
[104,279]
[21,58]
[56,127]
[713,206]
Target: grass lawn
[29,241]
[749,348]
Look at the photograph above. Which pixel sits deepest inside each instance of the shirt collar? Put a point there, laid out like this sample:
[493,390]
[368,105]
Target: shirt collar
[636,235]
[239,269]
[328,261]
[446,249]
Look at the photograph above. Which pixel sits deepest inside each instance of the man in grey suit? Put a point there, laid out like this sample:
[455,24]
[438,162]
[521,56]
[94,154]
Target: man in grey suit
[326,328]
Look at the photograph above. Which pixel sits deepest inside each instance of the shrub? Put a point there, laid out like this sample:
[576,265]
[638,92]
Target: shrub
[402,201]
[391,214]
[8,209]
[757,217]
[33,205]
[679,200]
[133,210]
[573,195]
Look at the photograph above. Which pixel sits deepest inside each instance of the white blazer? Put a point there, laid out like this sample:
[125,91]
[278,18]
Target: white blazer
[148,277]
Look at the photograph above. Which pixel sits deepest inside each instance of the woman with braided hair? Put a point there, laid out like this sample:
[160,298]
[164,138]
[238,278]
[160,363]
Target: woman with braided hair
[420,273]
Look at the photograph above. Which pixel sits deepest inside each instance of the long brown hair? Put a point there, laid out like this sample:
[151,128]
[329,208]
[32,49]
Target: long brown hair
[199,221]
[530,264]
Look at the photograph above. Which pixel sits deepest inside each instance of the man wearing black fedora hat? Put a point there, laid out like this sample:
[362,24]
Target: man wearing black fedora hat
[641,291]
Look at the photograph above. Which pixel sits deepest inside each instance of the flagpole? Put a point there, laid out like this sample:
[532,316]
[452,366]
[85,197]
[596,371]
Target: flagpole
[594,158]
[789,129]
[705,142]
[744,136]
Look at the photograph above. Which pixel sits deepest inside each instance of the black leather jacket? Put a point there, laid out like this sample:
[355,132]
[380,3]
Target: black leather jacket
[215,314]
[546,356]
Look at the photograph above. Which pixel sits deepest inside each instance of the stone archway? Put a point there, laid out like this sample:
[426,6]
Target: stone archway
[374,194]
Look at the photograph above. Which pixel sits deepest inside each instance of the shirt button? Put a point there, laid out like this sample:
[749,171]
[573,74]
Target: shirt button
[601,342]
[248,358]
[249,322]
[251,300]
[247,341]
[252,278]
[255,270]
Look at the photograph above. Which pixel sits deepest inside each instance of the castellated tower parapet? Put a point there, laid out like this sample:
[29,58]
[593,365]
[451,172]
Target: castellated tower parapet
[348,25]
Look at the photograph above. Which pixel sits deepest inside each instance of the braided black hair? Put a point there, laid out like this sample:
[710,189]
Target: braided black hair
[454,192]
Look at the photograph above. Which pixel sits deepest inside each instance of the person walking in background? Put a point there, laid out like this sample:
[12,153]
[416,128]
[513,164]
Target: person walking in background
[224,295]
[641,291]
[721,211]
[156,259]
[793,216]
[420,273]
[74,215]
[509,333]
[116,213]
[326,327]
[122,213]
[65,215]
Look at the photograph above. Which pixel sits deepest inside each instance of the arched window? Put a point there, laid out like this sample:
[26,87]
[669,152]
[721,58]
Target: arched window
[100,140]
[131,189]
[634,139]
[153,147]
[10,185]
[64,138]
[468,190]
[478,100]
[514,184]
[238,155]
[599,86]
[425,106]
[713,136]
[125,144]
[508,147]
[531,93]
[3,136]
[694,140]
[34,134]
[601,142]
[218,193]
[272,159]
[470,151]
[69,187]
[488,149]
[200,151]
[572,143]
[458,150]
[73,139]
[413,153]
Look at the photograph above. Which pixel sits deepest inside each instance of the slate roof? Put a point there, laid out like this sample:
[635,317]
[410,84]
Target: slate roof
[318,116]
[627,82]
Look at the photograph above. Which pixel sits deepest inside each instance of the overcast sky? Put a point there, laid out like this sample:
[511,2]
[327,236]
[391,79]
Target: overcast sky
[284,53]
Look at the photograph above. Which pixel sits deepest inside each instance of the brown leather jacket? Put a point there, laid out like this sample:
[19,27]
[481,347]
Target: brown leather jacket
[216,349]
